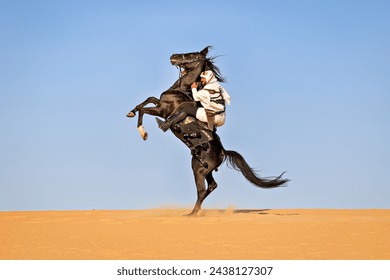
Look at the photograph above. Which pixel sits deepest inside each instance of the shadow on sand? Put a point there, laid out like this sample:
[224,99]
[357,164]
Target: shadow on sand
[210,212]
[252,211]
[261,212]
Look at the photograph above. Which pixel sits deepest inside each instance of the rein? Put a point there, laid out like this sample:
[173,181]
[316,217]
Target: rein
[183,62]
[179,66]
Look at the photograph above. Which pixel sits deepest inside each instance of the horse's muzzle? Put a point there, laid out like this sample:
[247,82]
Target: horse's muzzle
[175,60]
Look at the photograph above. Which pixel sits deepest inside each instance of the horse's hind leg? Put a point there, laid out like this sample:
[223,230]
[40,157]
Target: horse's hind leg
[149,100]
[201,175]
[211,183]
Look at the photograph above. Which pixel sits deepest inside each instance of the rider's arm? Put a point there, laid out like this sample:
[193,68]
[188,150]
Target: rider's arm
[203,96]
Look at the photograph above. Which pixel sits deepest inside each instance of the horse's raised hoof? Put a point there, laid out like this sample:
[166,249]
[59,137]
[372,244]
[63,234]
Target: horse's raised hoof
[212,186]
[142,132]
[145,136]
[130,115]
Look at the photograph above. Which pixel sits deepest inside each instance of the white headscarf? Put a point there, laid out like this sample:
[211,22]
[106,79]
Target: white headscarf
[208,75]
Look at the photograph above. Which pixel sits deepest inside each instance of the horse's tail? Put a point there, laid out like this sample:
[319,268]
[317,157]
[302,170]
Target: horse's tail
[237,162]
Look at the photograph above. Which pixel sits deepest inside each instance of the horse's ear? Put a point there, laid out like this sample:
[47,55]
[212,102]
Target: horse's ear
[205,51]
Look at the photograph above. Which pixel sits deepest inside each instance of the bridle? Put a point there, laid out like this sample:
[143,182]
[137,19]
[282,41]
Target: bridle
[185,61]
[188,61]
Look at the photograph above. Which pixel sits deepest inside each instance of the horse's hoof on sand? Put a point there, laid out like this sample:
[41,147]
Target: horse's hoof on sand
[192,214]
[130,115]
[189,215]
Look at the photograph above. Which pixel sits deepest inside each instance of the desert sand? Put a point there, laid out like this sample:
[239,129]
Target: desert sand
[165,234]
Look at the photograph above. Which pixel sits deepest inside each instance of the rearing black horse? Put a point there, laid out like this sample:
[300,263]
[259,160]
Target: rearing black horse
[208,155]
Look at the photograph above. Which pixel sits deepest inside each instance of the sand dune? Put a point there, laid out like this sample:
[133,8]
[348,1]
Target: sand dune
[215,234]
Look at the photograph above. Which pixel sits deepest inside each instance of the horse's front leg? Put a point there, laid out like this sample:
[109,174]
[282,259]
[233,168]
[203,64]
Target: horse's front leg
[149,100]
[154,111]
[141,110]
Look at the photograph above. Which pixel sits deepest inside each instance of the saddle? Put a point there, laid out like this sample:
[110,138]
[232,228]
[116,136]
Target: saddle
[195,135]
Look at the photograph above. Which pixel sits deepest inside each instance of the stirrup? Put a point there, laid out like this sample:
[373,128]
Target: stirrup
[161,124]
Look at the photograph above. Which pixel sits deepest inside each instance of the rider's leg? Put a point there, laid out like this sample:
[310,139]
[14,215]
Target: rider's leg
[171,121]
[187,111]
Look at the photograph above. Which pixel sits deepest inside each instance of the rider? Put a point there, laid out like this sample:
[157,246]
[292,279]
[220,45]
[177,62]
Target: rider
[213,98]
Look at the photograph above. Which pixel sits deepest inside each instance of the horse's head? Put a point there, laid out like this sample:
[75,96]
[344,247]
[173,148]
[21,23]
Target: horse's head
[188,60]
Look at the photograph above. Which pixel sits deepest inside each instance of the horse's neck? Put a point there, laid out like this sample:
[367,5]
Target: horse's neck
[178,85]
[184,82]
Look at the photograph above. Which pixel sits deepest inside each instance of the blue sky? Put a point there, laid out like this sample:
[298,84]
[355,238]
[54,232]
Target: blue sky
[309,82]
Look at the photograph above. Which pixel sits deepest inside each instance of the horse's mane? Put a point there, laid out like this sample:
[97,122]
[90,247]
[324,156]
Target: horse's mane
[215,69]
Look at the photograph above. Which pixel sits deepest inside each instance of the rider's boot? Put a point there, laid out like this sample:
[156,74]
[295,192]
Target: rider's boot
[171,121]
